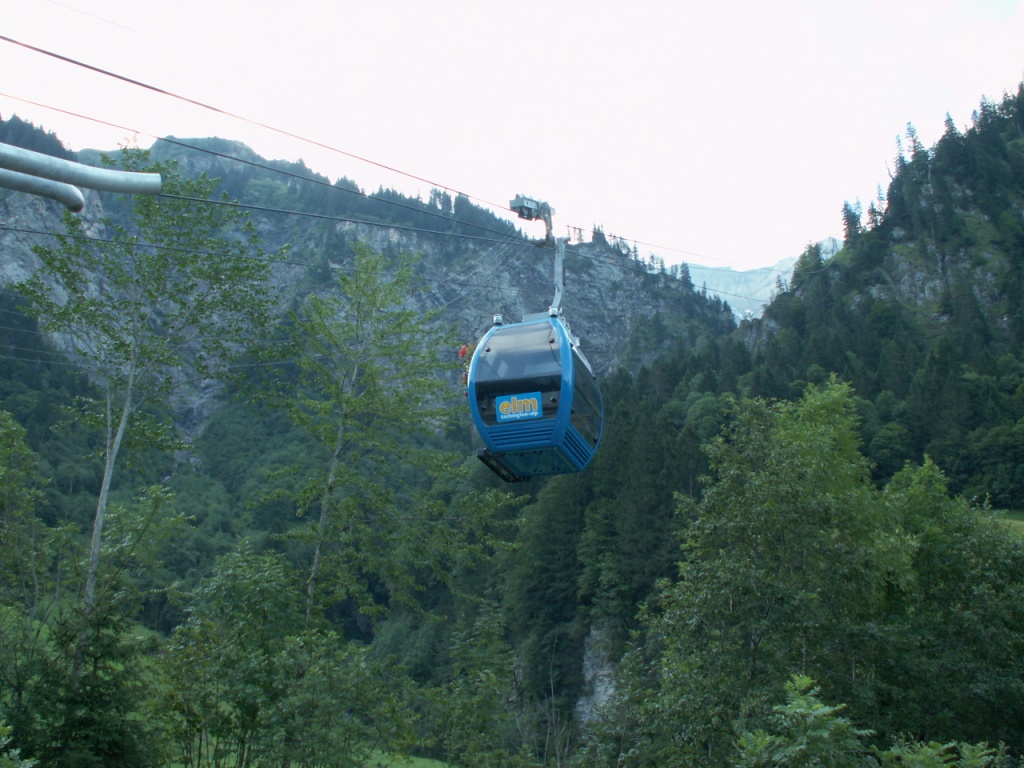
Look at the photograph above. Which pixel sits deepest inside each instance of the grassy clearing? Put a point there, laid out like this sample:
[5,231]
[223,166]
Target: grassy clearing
[1016,519]
[408,762]
[383,761]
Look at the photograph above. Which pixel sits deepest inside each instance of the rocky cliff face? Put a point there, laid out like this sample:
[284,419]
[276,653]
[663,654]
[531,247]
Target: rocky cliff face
[623,312]
[23,219]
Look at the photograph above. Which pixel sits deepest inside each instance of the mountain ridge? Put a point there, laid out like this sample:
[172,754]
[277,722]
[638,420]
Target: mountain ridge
[474,264]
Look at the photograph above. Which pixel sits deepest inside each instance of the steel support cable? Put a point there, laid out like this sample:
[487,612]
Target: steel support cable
[326,184]
[66,195]
[290,134]
[226,113]
[261,166]
[174,249]
[503,253]
[639,269]
[505,240]
[328,217]
[316,181]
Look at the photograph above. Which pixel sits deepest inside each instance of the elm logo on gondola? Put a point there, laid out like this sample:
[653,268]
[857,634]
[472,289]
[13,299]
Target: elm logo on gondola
[516,407]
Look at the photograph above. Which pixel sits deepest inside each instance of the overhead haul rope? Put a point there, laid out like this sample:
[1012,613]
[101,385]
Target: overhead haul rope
[298,137]
[321,145]
[243,118]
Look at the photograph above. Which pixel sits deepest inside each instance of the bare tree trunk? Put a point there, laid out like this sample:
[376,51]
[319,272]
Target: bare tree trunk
[325,507]
[113,446]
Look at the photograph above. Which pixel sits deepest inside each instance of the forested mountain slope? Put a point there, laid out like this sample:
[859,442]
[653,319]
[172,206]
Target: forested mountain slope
[236,488]
[474,264]
[767,500]
[921,311]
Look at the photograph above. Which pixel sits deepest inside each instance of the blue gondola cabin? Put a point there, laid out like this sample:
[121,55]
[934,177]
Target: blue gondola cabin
[534,399]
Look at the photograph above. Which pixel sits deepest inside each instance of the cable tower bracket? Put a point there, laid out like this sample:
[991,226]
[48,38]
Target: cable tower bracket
[530,209]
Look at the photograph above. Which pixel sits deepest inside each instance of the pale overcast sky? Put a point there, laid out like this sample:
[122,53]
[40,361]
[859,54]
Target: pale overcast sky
[725,132]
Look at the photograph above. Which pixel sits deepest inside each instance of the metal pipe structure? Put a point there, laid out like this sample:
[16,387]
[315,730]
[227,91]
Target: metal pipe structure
[28,163]
[67,194]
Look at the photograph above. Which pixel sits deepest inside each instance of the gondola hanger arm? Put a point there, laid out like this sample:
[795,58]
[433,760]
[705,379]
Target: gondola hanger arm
[530,209]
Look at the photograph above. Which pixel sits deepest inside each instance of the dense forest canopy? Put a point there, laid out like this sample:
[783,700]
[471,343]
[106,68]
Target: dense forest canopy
[257,536]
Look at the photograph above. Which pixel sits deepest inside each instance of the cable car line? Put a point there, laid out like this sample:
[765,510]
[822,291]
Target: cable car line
[254,164]
[423,211]
[405,228]
[480,265]
[328,217]
[226,113]
[303,139]
[505,250]
[411,208]
[290,262]
[593,257]
[630,265]
[328,185]
[414,209]
[61,363]
[31,349]
[94,16]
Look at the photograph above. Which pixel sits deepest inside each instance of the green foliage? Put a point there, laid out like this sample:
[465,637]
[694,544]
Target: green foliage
[220,678]
[805,732]
[35,563]
[368,705]
[905,603]
[935,755]
[84,703]
[592,546]
[11,758]
[923,302]
[73,682]
[219,664]
[19,498]
[22,133]
[391,522]
[152,301]
[247,683]
[824,544]
[786,558]
[475,715]
[37,385]
[956,628]
[368,388]
[163,285]
[540,603]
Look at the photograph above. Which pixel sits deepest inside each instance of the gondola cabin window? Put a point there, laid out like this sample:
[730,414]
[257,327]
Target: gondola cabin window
[521,361]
